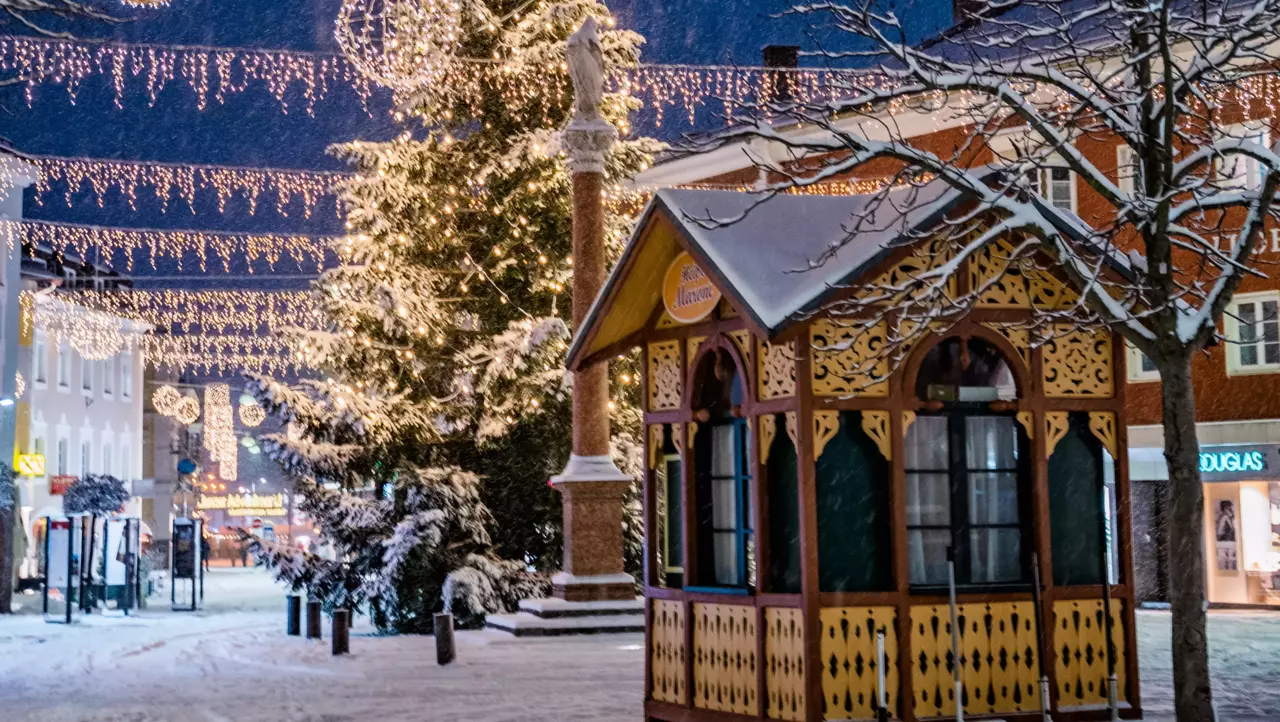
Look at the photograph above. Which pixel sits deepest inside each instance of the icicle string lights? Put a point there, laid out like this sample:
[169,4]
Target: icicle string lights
[289,187]
[208,312]
[94,334]
[125,244]
[210,73]
[221,354]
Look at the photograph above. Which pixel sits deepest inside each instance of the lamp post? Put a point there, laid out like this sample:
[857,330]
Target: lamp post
[591,486]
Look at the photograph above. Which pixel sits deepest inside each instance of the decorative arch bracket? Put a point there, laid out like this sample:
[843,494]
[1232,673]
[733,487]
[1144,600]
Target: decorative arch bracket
[825,426]
[1056,424]
[876,425]
[1103,426]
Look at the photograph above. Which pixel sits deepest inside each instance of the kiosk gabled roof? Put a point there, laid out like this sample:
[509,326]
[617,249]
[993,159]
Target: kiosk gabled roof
[765,262]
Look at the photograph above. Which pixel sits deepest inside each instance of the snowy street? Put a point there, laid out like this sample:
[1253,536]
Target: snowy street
[232,661]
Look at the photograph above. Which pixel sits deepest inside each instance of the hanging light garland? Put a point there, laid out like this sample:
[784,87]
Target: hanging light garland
[19,385]
[207,71]
[166,400]
[221,354]
[219,430]
[176,245]
[94,334]
[289,187]
[208,312]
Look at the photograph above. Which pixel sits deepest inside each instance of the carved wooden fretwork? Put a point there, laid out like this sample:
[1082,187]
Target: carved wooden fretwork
[768,431]
[742,338]
[902,282]
[1078,363]
[1055,427]
[908,418]
[1022,284]
[1027,419]
[776,375]
[791,428]
[677,437]
[692,345]
[825,426]
[726,309]
[666,321]
[1019,338]
[876,425]
[846,360]
[665,375]
[1103,426]
[693,434]
[655,445]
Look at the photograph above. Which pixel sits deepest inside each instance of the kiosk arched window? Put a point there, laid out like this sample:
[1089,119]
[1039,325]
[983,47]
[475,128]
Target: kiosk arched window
[965,467]
[726,540]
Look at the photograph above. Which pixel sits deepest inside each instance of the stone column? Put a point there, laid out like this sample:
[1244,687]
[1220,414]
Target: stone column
[591,486]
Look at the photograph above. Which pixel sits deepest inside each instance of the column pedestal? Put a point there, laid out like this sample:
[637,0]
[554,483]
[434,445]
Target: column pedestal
[592,490]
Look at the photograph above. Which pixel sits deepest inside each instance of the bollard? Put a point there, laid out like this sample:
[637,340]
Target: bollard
[313,620]
[341,629]
[445,651]
[295,616]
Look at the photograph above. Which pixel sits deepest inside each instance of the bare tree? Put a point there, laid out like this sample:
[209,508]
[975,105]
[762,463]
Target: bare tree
[1020,83]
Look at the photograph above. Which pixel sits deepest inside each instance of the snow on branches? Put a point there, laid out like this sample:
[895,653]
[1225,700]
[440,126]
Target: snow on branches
[95,494]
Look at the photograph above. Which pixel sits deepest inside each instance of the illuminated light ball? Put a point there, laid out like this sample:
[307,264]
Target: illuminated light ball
[166,400]
[187,410]
[402,44]
[252,415]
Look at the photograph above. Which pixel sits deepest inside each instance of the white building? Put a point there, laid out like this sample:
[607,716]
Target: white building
[82,415]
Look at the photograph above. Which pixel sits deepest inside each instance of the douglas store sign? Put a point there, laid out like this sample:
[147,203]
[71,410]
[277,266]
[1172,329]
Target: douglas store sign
[1239,463]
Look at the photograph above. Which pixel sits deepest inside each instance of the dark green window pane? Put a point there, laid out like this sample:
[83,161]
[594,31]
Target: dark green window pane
[784,517]
[854,542]
[1075,505]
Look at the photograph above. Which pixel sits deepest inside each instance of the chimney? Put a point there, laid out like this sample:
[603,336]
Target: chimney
[782,56]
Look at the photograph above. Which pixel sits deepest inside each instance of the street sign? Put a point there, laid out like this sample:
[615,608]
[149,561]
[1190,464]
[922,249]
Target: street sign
[31,464]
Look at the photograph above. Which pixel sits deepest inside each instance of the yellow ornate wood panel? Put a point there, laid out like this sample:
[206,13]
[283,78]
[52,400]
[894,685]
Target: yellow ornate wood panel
[849,661]
[776,375]
[784,663]
[1027,419]
[903,281]
[876,425]
[1078,363]
[845,360]
[724,658]
[768,431]
[1103,426]
[692,345]
[665,375]
[667,652]
[998,660]
[826,424]
[742,339]
[1019,338]
[656,437]
[1021,284]
[666,321]
[1056,424]
[1080,649]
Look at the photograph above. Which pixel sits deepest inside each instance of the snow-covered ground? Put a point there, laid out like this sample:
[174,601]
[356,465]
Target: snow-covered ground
[232,661]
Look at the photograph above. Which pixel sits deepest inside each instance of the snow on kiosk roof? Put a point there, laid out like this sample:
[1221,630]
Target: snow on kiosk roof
[763,262]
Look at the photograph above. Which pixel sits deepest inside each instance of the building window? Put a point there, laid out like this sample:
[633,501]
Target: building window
[37,447]
[126,471]
[126,376]
[1241,171]
[1253,333]
[726,538]
[64,457]
[1126,170]
[1056,185]
[64,366]
[671,488]
[40,361]
[963,468]
[86,376]
[106,460]
[86,458]
[108,376]
[1141,367]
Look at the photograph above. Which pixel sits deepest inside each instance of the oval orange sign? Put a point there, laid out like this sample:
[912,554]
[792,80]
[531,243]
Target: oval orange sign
[687,292]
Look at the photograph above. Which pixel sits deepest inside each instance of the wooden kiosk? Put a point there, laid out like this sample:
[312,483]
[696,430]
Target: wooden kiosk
[794,505]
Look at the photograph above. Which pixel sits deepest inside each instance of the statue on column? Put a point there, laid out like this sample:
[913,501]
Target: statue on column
[586,70]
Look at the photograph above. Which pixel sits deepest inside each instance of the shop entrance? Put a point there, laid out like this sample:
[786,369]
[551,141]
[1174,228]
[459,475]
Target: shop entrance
[1151,540]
